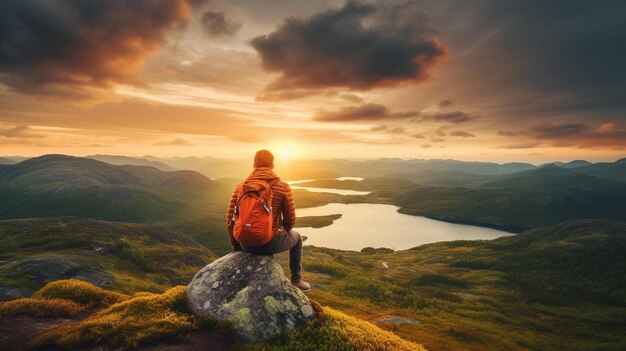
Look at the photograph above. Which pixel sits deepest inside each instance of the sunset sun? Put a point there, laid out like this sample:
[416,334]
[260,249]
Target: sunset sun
[406,175]
[285,153]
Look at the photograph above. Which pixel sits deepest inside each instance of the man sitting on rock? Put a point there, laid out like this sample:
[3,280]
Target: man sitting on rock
[261,215]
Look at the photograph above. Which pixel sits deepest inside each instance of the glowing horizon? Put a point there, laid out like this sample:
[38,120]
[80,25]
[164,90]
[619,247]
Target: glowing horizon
[169,80]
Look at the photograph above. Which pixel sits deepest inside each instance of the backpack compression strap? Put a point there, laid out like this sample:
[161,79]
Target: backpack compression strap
[266,207]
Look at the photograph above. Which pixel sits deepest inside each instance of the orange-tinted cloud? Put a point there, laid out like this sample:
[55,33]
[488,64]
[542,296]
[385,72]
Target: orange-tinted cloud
[446,117]
[216,24]
[20,132]
[462,134]
[176,142]
[364,112]
[359,47]
[69,46]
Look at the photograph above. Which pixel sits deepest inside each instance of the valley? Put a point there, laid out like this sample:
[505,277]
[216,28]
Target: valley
[558,284]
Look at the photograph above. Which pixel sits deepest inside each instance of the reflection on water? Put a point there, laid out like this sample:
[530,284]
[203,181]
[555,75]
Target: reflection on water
[328,190]
[358,179]
[378,225]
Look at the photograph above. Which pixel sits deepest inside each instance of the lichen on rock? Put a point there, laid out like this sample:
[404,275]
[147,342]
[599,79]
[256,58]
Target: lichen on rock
[252,293]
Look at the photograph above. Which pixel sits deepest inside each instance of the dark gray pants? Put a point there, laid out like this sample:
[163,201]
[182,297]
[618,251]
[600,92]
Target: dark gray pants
[280,243]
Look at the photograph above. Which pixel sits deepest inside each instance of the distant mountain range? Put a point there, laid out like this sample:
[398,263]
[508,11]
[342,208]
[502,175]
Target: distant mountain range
[132,161]
[545,195]
[56,185]
[294,169]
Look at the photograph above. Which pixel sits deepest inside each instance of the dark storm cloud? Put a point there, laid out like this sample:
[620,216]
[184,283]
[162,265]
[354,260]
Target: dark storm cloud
[56,46]
[542,57]
[550,130]
[365,112]
[216,24]
[359,47]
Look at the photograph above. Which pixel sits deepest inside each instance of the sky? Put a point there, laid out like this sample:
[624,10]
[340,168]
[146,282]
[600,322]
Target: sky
[485,80]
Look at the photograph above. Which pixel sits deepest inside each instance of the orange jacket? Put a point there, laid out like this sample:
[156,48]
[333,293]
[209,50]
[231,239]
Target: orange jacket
[283,207]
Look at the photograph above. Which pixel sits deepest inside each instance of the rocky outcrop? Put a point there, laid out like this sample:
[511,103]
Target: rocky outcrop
[252,293]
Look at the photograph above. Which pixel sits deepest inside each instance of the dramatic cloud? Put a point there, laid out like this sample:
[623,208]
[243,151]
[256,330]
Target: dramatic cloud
[446,117]
[445,103]
[66,46]
[569,135]
[419,136]
[510,133]
[440,132]
[176,142]
[365,112]
[378,128]
[462,134]
[550,130]
[359,47]
[216,24]
[396,130]
[22,132]
[527,145]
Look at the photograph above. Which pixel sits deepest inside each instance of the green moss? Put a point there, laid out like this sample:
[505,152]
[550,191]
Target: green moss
[80,292]
[338,332]
[137,321]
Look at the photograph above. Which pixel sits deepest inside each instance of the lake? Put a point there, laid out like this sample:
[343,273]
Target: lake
[293,184]
[378,225]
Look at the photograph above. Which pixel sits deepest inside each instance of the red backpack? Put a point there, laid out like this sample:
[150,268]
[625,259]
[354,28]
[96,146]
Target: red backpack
[252,217]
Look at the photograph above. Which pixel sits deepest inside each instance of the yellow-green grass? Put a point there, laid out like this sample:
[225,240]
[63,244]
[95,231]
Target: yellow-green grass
[147,318]
[462,306]
[337,332]
[142,319]
[49,308]
[79,292]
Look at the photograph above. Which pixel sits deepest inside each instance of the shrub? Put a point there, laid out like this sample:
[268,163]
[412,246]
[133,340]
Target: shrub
[52,308]
[370,250]
[338,332]
[80,292]
[439,279]
[129,323]
[330,268]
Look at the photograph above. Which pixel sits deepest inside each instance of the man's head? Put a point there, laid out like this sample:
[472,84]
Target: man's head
[263,158]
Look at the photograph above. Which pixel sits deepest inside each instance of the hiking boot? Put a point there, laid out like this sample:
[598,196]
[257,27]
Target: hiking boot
[302,285]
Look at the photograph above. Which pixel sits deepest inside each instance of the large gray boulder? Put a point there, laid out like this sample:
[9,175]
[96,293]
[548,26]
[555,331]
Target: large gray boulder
[252,293]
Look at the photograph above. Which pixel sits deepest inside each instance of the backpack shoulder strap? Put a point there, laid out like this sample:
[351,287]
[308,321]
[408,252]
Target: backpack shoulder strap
[274,182]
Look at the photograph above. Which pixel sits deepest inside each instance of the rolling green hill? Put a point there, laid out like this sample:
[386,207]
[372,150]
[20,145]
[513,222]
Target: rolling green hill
[552,288]
[123,256]
[57,185]
[524,200]
[614,170]
[131,161]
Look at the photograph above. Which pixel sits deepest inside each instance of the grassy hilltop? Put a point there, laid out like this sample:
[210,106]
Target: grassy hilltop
[101,318]
[126,257]
[546,289]
[559,285]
